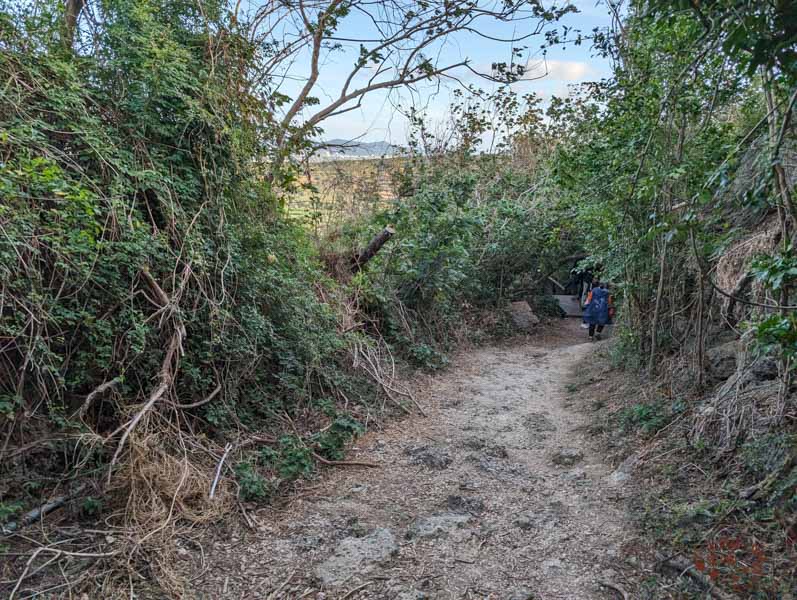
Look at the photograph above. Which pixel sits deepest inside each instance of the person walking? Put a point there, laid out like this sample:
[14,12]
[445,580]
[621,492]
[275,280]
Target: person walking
[596,310]
[586,285]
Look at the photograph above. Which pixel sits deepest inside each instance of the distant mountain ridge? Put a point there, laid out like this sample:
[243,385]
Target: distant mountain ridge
[338,149]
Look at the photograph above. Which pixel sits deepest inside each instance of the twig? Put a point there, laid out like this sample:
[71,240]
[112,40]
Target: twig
[227,450]
[100,389]
[58,553]
[166,378]
[247,518]
[763,486]
[687,568]
[613,586]
[273,594]
[212,395]
[355,590]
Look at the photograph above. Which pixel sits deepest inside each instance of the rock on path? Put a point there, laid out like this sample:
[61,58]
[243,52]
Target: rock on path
[497,494]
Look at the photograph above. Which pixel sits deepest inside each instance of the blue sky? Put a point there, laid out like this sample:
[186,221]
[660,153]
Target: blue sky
[378,118]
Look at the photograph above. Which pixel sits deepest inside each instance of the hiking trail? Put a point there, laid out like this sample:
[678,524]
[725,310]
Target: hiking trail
[496,494]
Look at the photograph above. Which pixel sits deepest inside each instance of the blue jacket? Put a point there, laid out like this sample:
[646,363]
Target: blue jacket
[596,312]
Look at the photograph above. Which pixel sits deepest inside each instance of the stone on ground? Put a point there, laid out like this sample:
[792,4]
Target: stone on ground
[357,555]
[567,457]
[429,456]
[522,316]
[437,525]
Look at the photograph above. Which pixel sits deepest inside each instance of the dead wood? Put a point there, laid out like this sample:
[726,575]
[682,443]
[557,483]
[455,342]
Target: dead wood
[99,390]
[168,370]
[685,567]
[37,513]
[613,586]
[760,489]
[376,243]
[227,450]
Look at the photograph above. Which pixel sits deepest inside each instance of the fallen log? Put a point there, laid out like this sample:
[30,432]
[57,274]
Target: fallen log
[39,513]
[376,243]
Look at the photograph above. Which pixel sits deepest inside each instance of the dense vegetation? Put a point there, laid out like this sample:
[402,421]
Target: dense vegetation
[680,174]
[171,344]
[166,330]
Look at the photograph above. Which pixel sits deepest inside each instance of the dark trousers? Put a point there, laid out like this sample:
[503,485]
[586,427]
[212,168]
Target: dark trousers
[592,329]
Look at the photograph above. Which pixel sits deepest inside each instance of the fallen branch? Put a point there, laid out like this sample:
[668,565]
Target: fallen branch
[761,488]
[210,397]
[35,514]
[613,586]
[227,450]
[685,567]
[100,389]
[376,243]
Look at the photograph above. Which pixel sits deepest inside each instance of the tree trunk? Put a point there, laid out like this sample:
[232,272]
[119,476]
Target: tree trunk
[71,13]
[655,325]
[376,243]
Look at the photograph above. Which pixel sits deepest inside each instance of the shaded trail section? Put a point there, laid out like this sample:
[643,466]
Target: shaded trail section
[497,494]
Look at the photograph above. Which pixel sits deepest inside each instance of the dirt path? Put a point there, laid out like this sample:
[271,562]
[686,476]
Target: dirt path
[496,494]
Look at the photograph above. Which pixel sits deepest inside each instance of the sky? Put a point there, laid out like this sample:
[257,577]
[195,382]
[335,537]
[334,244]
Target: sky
[380,118]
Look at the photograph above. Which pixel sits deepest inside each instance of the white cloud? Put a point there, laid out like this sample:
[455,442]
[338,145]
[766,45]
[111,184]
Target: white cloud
[559,70]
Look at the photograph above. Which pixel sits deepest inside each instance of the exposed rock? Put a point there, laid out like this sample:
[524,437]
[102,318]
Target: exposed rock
[538,422]
[497,451]
[411,594]
[576,475]
[497,467]
[764,369]
[521,594]
[552,564]
[522,316]
[429,456]
[474,443]
[437,525]
[357,555]
[623,472]
[461,504]
[721,361]
[526,522]
[567,457]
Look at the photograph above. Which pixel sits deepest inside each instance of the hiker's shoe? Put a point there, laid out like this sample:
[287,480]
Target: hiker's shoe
[598,336]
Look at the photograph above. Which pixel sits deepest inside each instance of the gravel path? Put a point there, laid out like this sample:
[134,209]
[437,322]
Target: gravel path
[497,494]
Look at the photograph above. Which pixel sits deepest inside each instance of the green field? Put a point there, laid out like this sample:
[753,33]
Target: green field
[340,189]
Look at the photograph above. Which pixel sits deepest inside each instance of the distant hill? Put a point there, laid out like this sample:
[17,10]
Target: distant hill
[339,149]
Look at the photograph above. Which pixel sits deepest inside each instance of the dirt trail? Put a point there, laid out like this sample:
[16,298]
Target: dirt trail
[497,494]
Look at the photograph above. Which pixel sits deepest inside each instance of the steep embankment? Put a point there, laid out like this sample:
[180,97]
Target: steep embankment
[497,494]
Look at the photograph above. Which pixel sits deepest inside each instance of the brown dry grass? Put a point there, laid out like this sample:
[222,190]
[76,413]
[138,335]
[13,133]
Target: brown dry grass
[735,262]
[690,474]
